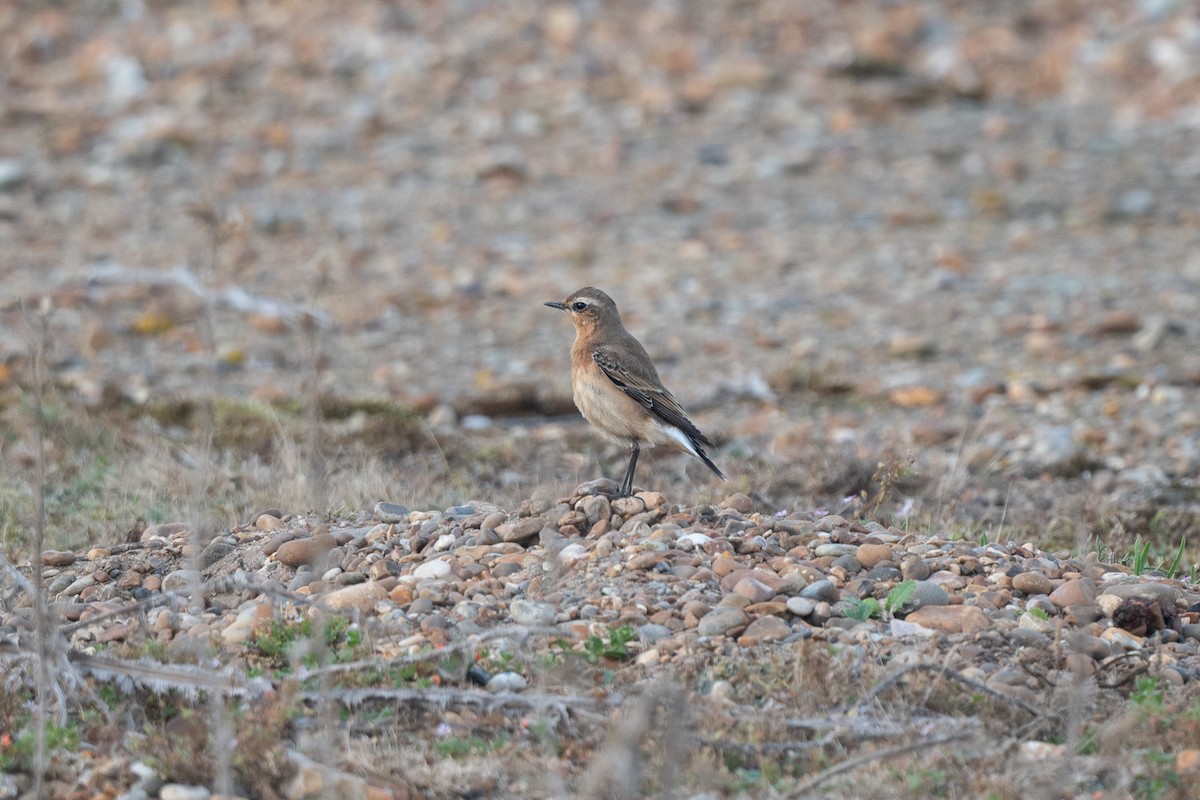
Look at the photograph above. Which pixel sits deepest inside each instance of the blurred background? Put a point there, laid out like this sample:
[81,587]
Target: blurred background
[931,263]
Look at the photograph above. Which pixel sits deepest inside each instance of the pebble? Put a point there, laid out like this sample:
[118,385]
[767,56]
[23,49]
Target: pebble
[166,530]
[1033,622]
[57,558]
[950,619]
[532,614]
[1032,583]
[1122,639]
[914,569]
[437,568]
[360,597]
[268,522]
[182,580]
[652,632]
[870,555]
[391,512]
[179,791]
[764,629]
[738,502]
[506,682]
[801,606]
[297,552]
[926,593]
[833,549]
[754,590]
[1078,592]
[522,530]
[722,620]
[1162,592]
[822,590]
[12,174]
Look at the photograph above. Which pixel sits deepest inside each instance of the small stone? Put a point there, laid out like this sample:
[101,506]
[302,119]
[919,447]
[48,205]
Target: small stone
[1164,593]
[871,554]
[1032,583]
[764,629]
[644,561]
[166,530]
[1078,592]
[531,614]
[571,554]
[391,512]
[182,580]
[900,627]
[652,632]
[1122,639]
[800,606]
[1187,762]
[433,569]
[926,593]
[1080,664]
[833,550]
[12,174]
[238,631]
[738,502]
[821,591]
[1134,203]
[628,506]
[360,597]
[57,558]
[179,791]
[602,486]
[914,569]
[1054,447]
[522,530]
[268,522]
[950,619]
[595,507]
[214,551]
[754,590]
[1033,622]
[849,565]
[653,500]
[298,552]
[903,344]
[695,538]
[770,607]
[722,620]
[1109,603]
[114,633]
[506,682]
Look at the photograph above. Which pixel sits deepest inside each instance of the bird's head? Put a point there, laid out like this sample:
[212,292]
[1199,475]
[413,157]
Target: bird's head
[589,307]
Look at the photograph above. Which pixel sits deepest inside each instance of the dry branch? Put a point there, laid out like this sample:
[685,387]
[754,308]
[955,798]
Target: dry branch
[946,672]
[879,755]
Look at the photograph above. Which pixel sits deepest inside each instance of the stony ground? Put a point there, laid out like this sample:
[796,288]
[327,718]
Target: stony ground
[927,273]
[479,643]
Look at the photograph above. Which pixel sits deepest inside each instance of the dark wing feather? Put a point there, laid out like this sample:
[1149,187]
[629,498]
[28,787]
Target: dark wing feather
[647,390]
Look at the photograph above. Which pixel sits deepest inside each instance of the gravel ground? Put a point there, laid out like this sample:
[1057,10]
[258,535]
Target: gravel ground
[959,237]
[929,269]
[693,588]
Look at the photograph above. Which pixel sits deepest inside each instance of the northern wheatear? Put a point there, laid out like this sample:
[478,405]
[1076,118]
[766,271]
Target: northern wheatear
[617,388]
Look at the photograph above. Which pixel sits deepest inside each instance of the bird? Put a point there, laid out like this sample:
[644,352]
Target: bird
[617,388]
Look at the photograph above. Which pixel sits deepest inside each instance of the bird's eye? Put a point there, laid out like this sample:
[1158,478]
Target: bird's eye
[579,305]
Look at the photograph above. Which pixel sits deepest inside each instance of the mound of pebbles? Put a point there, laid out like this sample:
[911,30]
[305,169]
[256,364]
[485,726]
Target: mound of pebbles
[722,578]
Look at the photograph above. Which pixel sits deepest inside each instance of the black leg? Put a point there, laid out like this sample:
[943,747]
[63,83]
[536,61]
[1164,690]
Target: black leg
[627,481]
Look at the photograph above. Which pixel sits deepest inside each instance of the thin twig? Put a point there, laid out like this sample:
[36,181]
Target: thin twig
[859,761]
[946,672]
[519,632]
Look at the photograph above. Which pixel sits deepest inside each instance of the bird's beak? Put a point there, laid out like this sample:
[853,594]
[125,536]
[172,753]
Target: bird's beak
[556,304]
